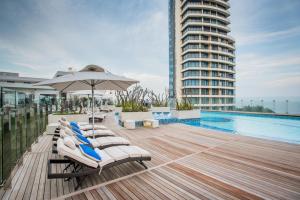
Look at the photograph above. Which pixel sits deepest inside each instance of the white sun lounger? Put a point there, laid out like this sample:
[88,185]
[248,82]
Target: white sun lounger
[90,133]
[86,127]
[105,142]
[112,156]
[100,142]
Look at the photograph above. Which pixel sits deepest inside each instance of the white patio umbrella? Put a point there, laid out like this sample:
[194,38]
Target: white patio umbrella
[91,77]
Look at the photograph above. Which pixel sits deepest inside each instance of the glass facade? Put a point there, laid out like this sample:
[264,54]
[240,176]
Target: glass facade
[172,49]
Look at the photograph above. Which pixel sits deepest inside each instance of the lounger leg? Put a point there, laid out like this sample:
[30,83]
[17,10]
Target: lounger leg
[69,165]
[73,171]
[142,163]
[79,182]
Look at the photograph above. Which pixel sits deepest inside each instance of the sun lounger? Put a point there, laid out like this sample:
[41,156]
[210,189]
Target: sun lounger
[91,133]
[86,127]
[101,142]
[84,166]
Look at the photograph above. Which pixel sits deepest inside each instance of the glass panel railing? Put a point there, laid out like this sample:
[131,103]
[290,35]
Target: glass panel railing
[19,129]
[276,105]
[1,147]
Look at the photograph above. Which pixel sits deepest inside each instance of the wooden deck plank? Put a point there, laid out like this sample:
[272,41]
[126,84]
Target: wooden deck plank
[21,190]
[187,163]
[33,193]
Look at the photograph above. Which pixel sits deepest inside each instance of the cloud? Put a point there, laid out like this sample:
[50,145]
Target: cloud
[154,82]
[264,37]
[62,34]
[268,75]
[285,82]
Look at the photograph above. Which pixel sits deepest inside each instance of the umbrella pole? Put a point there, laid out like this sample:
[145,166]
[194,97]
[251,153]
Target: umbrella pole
[93,120]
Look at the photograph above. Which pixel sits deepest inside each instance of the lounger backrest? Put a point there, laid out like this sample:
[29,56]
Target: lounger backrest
[63,150]
[64,123]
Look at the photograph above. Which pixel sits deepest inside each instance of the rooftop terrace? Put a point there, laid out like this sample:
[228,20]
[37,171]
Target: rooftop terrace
[187,163]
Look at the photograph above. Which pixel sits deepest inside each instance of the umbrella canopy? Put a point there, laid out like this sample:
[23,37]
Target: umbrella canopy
[90,76]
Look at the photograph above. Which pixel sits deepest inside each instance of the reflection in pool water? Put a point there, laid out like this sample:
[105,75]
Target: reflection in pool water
[285,129]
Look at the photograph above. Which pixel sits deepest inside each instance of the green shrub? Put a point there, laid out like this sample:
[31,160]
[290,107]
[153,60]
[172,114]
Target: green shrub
[132,106]
[133,100]
[184,105]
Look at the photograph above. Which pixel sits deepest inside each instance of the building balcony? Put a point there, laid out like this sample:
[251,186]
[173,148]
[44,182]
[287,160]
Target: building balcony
[232,47]
[208,69]
[200,14]
[208,96]
[208,51]
[199,5]
[209,78]
[207,87]
[224,28]
[220,2]
[228,37]
[209,60]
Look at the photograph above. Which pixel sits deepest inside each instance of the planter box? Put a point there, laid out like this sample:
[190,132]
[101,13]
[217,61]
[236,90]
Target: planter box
[160,109]
[136,116]
[76,117]
[186,114]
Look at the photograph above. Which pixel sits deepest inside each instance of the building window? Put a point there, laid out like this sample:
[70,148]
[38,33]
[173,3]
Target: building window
[204,82]
[191,82]
[215,82]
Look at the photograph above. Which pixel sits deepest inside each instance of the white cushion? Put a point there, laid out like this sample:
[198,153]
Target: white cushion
[77,142]
[135,151]
[94,142]
[99,132]
[69,131]
[64,123]
[75,154]
[105,158]
[116,153]
[104,141]
[68,141]
[90,127]
[62,133]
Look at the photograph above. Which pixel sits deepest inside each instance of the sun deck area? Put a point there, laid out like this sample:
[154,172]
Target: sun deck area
[187,163]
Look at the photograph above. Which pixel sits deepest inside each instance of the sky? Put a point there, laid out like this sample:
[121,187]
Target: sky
[39,37]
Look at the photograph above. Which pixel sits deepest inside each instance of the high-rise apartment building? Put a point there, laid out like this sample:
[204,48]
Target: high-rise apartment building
[201,53]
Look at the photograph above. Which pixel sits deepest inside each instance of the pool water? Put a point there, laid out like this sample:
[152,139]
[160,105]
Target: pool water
[286,129]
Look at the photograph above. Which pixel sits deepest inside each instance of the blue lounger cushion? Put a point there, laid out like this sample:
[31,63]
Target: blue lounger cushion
[72,123]
[82,139]
[76,130]
[89,152]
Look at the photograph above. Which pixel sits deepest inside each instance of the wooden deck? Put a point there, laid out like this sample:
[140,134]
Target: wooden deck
[187,163]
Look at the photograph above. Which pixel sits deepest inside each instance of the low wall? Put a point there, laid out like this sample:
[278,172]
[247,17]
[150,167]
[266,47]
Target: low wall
[137,116]
[74,117]
[160,109]
[186,114]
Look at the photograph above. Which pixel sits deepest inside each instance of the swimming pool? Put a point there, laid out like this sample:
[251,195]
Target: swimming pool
[281,128]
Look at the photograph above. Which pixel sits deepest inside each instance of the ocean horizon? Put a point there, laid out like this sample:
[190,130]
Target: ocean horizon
[276,103]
